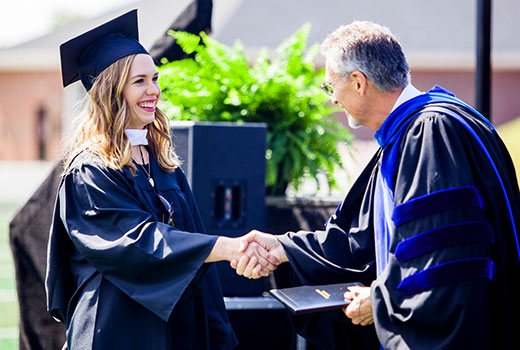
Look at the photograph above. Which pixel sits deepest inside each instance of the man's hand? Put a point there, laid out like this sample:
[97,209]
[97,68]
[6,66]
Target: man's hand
[360,308]
[261,262]
[246,265]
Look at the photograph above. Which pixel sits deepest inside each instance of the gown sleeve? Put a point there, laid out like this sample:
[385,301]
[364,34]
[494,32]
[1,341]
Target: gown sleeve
[433,293]
[325,257]
[344,251]
[149,261]
[221,333]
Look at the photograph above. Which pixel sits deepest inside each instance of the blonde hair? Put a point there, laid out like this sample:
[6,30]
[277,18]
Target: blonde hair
[104,118]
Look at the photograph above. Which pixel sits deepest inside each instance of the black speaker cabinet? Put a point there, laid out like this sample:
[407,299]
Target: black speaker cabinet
[225,166]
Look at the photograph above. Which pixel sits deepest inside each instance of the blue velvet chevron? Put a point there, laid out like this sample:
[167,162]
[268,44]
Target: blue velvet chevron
[445,236]
[435,202]
[388,137]
[446,273]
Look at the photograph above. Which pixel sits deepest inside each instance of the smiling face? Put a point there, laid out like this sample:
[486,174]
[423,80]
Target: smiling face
[142,91]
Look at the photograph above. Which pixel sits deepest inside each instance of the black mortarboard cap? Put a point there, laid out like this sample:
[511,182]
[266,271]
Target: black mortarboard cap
[87,55]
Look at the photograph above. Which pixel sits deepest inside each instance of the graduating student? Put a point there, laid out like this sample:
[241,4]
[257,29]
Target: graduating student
[129,265]
[437,208]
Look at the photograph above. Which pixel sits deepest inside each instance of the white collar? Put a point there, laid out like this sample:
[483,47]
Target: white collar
[408,93]
[137,136]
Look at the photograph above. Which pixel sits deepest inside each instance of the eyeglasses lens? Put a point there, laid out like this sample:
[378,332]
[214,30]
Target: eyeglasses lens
[327,88]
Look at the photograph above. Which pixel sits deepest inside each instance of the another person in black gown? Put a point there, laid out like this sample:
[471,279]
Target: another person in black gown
[129,265]
[430,226]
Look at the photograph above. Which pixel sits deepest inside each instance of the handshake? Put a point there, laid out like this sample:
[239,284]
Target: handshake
[261,253]
[257,254]
[254,255]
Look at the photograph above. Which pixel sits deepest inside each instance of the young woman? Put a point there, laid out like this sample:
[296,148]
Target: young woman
[129,263]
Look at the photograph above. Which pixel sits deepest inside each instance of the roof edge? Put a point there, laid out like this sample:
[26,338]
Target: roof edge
[23,59]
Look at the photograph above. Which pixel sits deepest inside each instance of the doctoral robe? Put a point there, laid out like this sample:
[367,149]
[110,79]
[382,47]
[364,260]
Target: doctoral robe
[120,278]
[443,205]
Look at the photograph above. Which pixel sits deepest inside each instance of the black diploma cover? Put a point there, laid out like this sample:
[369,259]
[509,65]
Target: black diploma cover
[305,299]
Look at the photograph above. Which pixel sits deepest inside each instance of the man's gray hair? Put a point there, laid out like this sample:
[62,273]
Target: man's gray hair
[371,49]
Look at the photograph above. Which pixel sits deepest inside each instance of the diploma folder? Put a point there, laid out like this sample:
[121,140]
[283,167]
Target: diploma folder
[306,299]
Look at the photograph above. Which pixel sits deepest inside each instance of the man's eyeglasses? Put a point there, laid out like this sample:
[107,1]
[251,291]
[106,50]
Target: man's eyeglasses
[168,208]
[327,87]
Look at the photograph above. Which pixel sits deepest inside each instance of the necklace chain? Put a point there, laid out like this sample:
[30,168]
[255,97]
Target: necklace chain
[149,171]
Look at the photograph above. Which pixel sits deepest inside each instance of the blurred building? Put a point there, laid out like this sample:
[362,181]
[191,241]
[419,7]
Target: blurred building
[438,38]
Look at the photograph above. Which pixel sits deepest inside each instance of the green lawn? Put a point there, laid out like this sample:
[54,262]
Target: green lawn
[8,301]
[509,133]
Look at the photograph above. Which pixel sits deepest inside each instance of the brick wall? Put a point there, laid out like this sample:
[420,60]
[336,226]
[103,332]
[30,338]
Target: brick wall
[505,98]
[22,95]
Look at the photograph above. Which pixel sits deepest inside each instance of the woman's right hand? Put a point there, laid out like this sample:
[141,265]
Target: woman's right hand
[246,265]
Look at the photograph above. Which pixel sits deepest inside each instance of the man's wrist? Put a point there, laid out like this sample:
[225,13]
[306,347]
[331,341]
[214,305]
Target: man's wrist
[283,256]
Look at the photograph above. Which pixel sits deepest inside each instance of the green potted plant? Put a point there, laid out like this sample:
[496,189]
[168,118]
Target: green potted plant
[219,84]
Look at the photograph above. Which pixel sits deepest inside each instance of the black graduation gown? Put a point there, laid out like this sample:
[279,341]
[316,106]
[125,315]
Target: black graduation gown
[122,279]
[435,154]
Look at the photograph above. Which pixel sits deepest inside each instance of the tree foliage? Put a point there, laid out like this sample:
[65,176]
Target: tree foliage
[219,84]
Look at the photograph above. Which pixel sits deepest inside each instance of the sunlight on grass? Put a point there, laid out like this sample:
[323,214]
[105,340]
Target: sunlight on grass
[8,344]
[509,133]
[8,301]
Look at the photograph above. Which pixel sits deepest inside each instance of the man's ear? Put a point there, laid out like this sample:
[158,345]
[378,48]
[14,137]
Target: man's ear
[360,82]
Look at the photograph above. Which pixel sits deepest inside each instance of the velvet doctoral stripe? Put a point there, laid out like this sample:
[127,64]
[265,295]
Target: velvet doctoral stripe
[442,237]
[451,198]
[446,273]
[488,156]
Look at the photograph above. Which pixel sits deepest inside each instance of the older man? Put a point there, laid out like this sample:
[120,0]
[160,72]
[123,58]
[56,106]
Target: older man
[437,208]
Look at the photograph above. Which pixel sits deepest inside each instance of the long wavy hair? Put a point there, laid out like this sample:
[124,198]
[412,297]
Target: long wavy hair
[104,118]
